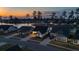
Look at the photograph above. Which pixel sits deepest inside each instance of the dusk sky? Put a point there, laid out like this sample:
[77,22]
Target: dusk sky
[21,11]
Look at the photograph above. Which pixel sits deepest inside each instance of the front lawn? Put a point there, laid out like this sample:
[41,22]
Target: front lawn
[64,44]
[5,47]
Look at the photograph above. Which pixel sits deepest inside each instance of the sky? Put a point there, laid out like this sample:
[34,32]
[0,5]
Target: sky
[22,11]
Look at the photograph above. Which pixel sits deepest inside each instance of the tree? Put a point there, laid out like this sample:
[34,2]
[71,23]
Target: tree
[53,15]
[39,15]
[34,15]
[77,13]
[1,19]
[71,16]
[11,17]
[64,14]
[27,15]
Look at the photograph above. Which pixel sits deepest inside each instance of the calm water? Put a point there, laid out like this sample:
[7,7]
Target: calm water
[18,25]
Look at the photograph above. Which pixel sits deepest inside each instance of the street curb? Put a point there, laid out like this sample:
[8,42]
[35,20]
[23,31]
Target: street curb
[63,47]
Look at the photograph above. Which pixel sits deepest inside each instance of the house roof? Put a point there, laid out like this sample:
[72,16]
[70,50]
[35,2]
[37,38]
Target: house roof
[12,28]
[25,28]
[62,29]
[5,27]
[42,29]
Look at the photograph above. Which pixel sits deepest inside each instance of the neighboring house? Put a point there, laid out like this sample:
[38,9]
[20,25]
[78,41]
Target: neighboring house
[4,28]
[61,38]
[12,28]
[25,29]
[76,39]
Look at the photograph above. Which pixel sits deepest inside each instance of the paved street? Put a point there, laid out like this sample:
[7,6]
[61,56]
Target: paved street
[35,46]
[45,41]
[2,43]
[26,38]
[9,36]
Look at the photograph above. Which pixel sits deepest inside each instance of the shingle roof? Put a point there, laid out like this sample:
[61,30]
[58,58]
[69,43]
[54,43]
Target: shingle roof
[25,28]
[5,27]
[42,29]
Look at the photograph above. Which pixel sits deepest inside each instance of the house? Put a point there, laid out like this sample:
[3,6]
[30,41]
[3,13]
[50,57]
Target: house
[39,31]
[76,39]
[62,38]
[25,29]
[12,28]
[4,28]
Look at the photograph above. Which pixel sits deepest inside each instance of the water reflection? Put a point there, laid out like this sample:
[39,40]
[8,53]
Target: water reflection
[18,25]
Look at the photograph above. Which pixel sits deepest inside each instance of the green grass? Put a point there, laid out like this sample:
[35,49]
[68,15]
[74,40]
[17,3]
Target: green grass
[64,44]
[5,47]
